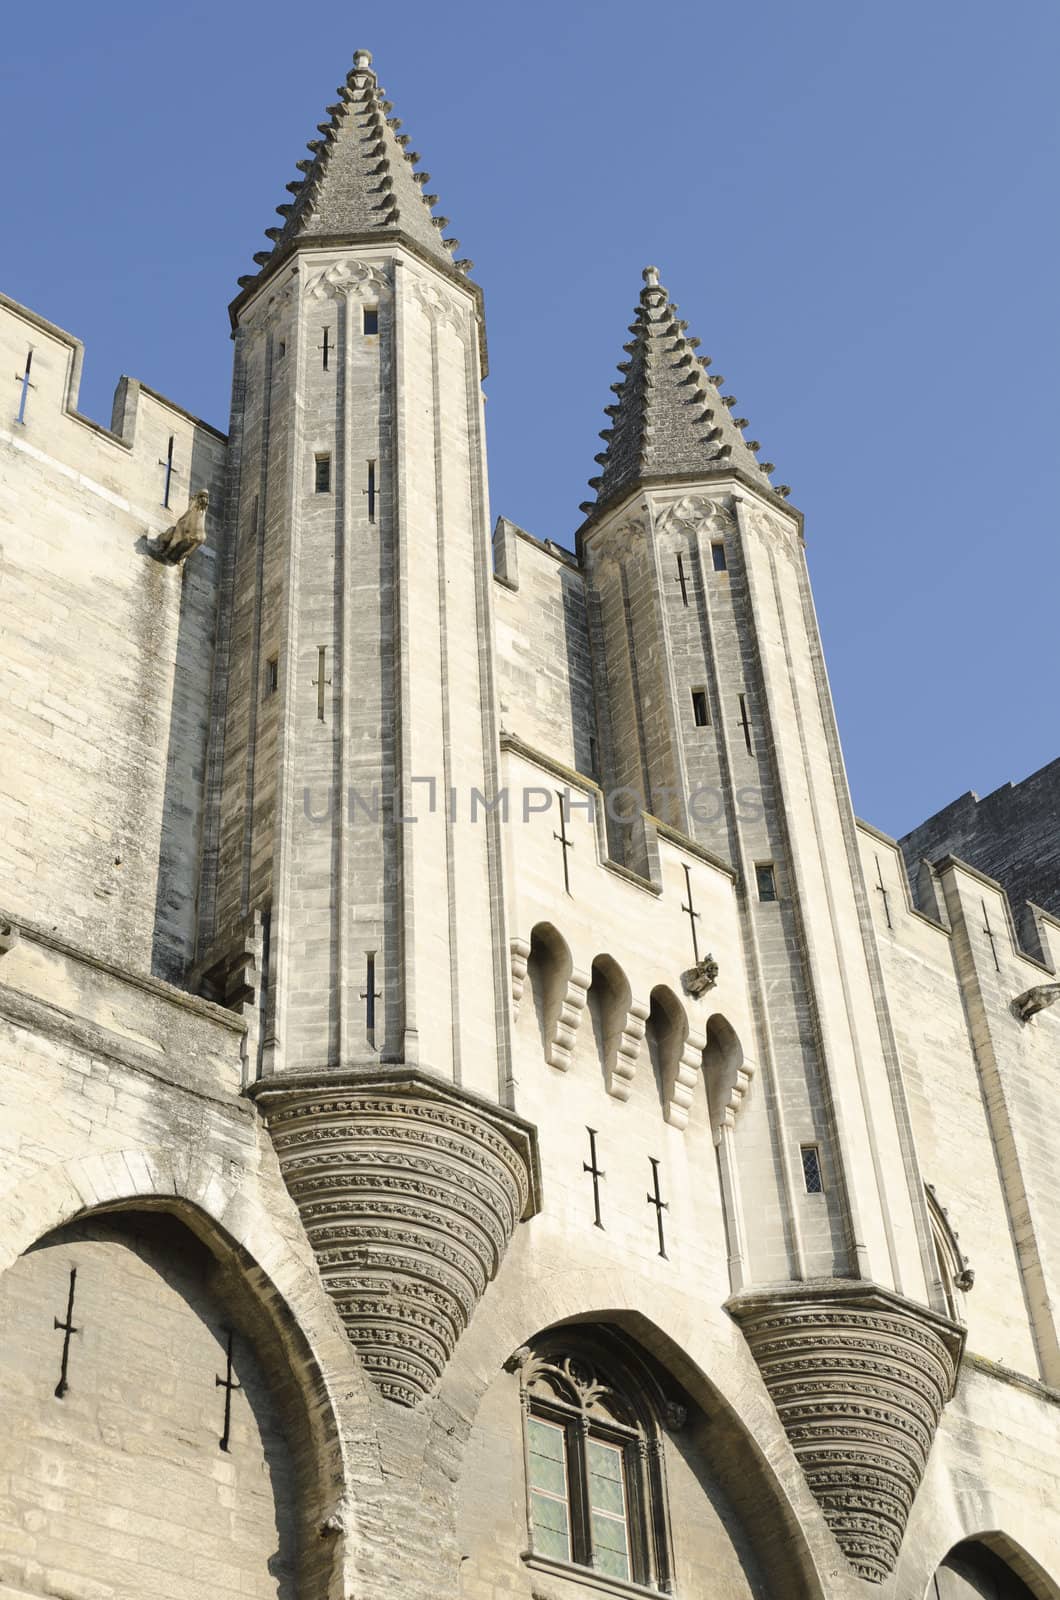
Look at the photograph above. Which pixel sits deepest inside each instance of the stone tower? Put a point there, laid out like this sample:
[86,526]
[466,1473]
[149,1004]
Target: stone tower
[481,1119]
[356,711]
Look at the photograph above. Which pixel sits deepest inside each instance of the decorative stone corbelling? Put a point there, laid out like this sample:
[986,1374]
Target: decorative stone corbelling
[627,1052]
[686,1076]
[859,1377]
[520,955]
[409,1191]
[565,1028]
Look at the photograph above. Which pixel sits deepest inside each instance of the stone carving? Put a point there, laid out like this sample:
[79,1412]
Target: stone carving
[520,955]
[770,526]
[356,278]
[187,533]
[438,304]
[949,1243]
[627,1052]
[859,1377]
[700,978]
[564,1029]
[409,1192]
[9,937]
[686,1075]
[696,512]
[1028,1004]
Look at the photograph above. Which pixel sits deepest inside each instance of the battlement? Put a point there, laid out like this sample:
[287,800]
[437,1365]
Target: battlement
[108,654]
[1011,835]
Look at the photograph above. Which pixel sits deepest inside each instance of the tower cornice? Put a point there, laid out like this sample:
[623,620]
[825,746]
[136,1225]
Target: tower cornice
[731,480]
[376,240]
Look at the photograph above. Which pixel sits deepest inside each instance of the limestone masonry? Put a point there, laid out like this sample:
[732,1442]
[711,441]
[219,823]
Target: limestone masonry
[480,1116]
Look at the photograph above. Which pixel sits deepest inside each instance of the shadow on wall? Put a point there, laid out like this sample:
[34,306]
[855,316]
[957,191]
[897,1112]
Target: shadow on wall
[973,1571]
[183,798]
[151,1403]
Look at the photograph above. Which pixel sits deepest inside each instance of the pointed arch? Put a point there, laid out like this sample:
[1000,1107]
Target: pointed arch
[282,1295]
[990,1566]
[675,1053]
[559,993]
[617,1023]
[725,1073]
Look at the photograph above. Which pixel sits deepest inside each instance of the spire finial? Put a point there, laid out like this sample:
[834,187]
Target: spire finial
[651,277]
[362,60]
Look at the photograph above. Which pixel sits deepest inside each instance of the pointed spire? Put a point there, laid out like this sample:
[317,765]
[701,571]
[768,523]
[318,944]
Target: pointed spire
[669,420]
[361,179]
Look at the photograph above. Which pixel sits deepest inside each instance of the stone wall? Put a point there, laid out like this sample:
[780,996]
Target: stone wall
[108,653]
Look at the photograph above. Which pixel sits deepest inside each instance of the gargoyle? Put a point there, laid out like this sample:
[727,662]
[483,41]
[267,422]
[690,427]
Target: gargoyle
[703,976]
[187,533]
[1032,1001]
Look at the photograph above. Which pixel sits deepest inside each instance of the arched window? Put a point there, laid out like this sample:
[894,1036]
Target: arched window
[595,1489]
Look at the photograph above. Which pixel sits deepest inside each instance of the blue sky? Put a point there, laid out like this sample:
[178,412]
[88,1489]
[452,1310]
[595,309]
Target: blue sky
[854,205]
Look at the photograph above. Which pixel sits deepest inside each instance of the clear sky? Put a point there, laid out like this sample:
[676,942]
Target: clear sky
[855,206]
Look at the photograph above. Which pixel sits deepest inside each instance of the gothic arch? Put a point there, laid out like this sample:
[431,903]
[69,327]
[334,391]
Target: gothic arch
[282,1293]
[675,1054]
[704,1357]
[724,1073]
[609,1001]
[558,991]
[990,1566]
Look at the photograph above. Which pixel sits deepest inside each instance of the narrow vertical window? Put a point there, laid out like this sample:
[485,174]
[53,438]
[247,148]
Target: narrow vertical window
[811,1169]
[699,708]
[371,319]
[325,349]
[766,879]
[717,556]
[282,350]
[322,474]
[607,1509]
[370,491]
[549,1491]
[272,674]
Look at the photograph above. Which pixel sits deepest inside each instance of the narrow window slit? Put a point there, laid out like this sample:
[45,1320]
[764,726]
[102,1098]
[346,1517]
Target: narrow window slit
[371,320]
[700,713]
[322,473]
[766,880]
[811,1169]
[717,556]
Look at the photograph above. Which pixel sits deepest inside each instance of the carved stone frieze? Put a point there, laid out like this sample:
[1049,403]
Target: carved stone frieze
[409,1191]
[859,1377]
[356,278]
[438,303]
[696,513]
